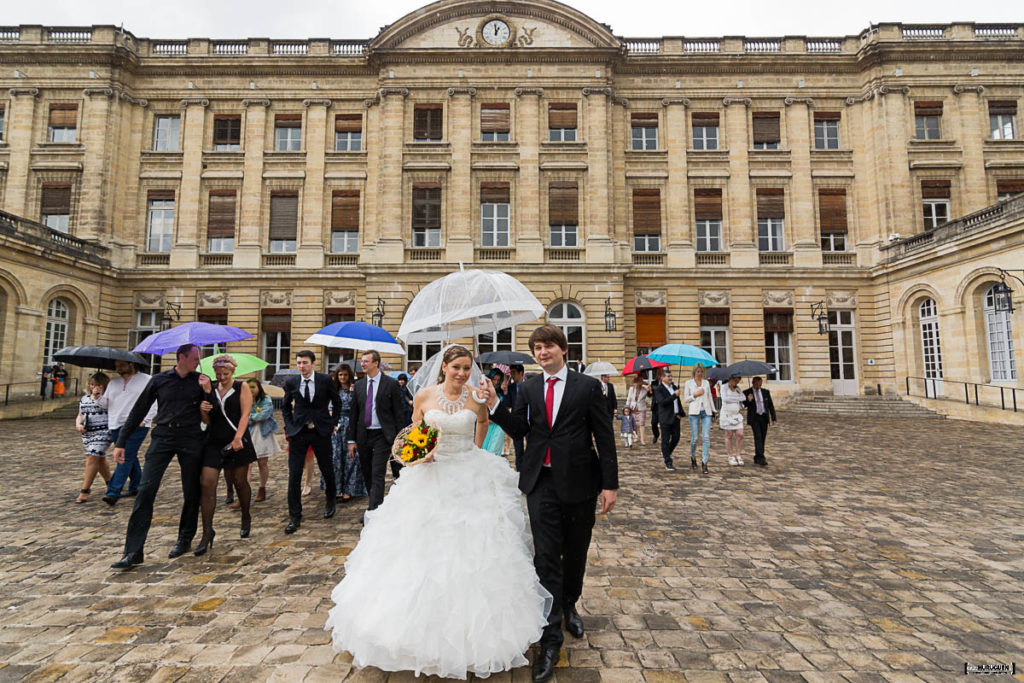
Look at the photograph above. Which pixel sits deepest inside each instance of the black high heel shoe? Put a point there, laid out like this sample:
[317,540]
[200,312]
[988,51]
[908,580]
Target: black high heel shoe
[243,532]
[204,545]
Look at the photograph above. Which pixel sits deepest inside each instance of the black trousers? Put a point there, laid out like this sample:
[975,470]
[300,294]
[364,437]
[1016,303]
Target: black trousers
[165,443]
[759,423]
[373,458]
[520,447]
[297,447]
[561,539]
[669,439]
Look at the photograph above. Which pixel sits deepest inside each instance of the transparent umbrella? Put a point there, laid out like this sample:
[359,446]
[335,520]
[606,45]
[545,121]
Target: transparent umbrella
[467,303]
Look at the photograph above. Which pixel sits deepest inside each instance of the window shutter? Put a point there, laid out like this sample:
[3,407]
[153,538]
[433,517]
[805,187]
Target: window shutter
[644,119]
[494,193]
[929,108]
[778,320]
[832,211]
[1002,107]
[770,202]
[562,115]
[344,210]
[494,118]
[707,204]
[214,316]
[288,121]
[714,317]
[227,130]
[63,115]
[563,204]
[827,116]
[705,118]
[650,327]
[426,205]
[646,212]
[284,212]
[1010,186]
[276,322]
[348,123]
[935,189]
[427,122]
[56,200]
[221,220]
[160,195]
[766,128]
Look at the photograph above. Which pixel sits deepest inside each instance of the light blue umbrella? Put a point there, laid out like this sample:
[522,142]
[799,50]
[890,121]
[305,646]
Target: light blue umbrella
[682,354]
[357,335]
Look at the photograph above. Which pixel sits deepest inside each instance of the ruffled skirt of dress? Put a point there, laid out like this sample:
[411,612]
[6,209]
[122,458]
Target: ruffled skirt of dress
[442,581]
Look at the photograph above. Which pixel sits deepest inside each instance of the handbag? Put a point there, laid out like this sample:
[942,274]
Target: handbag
[247,444]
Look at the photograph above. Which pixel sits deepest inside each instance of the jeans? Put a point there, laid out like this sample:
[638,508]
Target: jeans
[130,468]
[705,421]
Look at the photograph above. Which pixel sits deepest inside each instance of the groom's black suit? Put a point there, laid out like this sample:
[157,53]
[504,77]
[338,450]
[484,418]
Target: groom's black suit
[374,445]
[561,498]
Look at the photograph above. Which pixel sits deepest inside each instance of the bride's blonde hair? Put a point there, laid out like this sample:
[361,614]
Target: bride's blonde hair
[450,355]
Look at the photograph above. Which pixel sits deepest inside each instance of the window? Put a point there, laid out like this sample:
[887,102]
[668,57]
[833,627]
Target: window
[345,221]
[55,206]
[348,133]
[288,133]
[166,131]
[220,223]
[999,332]
[714,333]
[146,323]
[770,219]
[494,215]
[646,220]
[926,120]
[334,357]
[841,347]
[826,130]
[644,130]
[488,341]
[650,328]
[766,130]
[428,123]
[63,122]
[58,318]
[563,214]
[227,133]
[705,130]
[832,219]
[778,334]
[931,346]
[562,122]
[1002,118]
[494,122]
[426,215]
[417,354]
[284,212]
[1008,188]
[160,221]
[569,317]
[935,201]
[277,342]
[707,210]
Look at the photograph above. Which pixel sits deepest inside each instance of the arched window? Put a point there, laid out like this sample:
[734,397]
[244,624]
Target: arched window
[58,316]
[931,347]
[1000,341]
[569,317]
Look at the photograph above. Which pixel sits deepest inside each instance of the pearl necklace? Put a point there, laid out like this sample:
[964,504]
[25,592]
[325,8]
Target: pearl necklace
[449,406]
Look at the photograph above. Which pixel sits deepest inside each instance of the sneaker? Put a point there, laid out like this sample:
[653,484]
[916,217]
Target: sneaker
[739,460]
[732,459]
[669,467]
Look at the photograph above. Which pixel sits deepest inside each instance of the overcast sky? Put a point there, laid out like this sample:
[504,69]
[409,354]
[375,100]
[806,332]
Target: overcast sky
[364,18]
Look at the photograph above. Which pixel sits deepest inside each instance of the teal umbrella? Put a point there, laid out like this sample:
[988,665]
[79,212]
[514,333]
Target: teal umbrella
[246,363]
[682,354]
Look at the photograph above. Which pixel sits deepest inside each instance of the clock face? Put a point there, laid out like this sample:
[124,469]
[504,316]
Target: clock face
[495,32]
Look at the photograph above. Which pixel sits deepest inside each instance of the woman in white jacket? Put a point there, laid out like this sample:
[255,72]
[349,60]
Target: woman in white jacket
[700,407]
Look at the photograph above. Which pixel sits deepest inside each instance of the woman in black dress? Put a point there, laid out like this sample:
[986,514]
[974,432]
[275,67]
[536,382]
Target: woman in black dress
[228,446]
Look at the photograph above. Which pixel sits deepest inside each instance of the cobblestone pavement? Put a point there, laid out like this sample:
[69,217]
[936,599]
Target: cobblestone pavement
[867,550]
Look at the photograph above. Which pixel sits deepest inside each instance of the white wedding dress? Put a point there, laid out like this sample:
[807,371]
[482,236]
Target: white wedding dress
[442,581]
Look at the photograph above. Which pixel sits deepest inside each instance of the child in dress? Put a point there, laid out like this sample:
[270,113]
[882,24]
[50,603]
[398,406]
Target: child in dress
[628,426]
[92,425]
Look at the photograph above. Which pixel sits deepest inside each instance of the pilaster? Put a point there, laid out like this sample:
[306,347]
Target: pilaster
[974,130]
[390,247]
[96,134]
[598,214]
[311,245]
[249,248]
[805,246]
[460,230]
[19,139]
[895,112]
[741,227]
[529,241]
[678,226]
[185,254]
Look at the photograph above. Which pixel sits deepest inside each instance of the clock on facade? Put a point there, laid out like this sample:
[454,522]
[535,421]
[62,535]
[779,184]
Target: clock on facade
[495,32]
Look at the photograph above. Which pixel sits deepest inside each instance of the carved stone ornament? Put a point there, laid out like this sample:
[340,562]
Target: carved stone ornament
[745,101]
[340,298]
[600,90]
[197,102]
[713,298]
[841,299]
[316,102]
[256,102]
[651,297]
[100,92]
[798,100]
[216,299]
[149,300]
[452,92]
[960,88]
[276,299]
[777,298]
[893,90]
[384,92]
[138,101]
[669,101]
[31,92]
[869,95]
[539,92]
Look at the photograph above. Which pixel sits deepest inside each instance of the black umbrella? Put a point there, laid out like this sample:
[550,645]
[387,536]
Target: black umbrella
[282,376]
[96,356]
[505,358]
[719,372]
[749,368]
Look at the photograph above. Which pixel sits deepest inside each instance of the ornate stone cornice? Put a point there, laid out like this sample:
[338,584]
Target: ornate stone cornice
[384,92]
[197,102]
[590,90]
[104,92]
[316,102]
[33,92]
[869,95]
[539,92]
[959,88]
[745,101]
[371,101]
[452,92]
[137,101]
[256,102]
[883,90]
[669,101]
[799,100]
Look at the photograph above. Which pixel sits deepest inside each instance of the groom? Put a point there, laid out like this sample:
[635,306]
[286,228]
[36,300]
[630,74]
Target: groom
[562,414]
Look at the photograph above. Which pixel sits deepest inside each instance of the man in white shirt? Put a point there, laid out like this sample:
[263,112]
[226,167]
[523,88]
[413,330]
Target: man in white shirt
[120,396]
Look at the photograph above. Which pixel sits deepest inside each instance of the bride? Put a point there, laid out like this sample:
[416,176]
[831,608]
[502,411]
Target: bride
[442,581]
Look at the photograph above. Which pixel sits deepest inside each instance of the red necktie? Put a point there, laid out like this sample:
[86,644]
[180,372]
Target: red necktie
[549,405]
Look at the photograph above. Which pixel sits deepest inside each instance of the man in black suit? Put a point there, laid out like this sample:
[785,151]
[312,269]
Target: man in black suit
[311,411]
[759,408]
[513,392]
[669,411]
[374,419]
[608,389]
[562,415]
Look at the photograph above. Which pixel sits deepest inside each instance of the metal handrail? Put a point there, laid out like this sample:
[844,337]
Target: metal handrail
[972,392]
[11,390]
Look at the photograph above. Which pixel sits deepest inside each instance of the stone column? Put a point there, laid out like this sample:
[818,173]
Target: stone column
[529,239]
[896,182]
[185,254]
[600,247]
[124,219]
[311,245]
[98,159]
[19,139]
[372,144]
[741,226]
[460,229]
[862,205]
[974,130]
[249,248]
[394,218]
[802,233]
[678,232]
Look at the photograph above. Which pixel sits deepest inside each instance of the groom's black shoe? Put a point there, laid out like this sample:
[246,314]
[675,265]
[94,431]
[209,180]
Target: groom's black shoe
[544,665]
[293,525]
[329,511]
[573,621]
[180,548]
[128,561]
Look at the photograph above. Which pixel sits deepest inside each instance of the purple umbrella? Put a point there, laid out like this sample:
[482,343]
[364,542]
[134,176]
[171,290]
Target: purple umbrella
[199,334]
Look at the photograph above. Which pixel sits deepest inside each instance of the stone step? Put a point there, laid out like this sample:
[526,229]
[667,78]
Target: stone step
[861,406]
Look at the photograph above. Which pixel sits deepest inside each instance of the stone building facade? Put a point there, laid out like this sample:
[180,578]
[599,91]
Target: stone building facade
[703,190]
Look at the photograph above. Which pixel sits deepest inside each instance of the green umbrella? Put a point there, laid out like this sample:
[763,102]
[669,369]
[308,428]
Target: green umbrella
[246,363]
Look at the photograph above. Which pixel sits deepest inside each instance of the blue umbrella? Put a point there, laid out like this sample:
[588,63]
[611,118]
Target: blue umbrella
[200,334]
[357,335]
[682,354]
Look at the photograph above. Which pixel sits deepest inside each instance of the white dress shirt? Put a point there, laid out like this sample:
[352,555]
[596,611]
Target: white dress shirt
[307,381]
[374,421]
[121,395]
[562,375]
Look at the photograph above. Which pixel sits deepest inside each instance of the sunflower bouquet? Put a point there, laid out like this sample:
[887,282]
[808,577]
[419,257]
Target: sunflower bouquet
[414,443]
